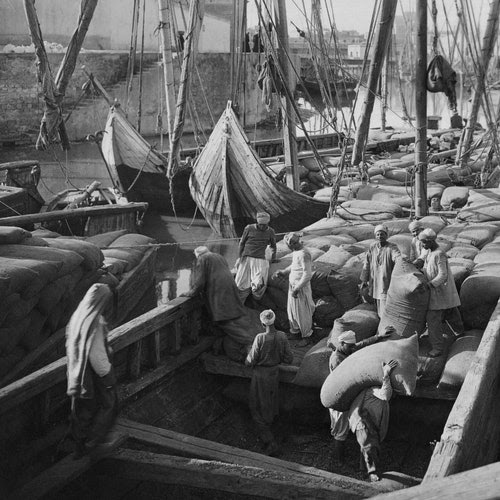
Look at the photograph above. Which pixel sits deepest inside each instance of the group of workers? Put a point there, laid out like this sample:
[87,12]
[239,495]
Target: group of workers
[91,381]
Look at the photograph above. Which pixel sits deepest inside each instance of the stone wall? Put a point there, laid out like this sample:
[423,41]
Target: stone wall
[21,103]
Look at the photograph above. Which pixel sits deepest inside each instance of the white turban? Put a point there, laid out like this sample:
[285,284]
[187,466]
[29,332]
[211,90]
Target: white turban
[292,238]
[262,218]
[427,234]
[200,251]
[348,337]
[381,227]
[416,224]
[267,317]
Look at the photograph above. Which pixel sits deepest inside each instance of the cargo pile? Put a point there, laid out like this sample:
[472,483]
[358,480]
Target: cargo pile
[43,276]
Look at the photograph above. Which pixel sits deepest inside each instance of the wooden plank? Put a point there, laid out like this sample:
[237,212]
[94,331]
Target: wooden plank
[471,434]
[478,484]
[18,220]
[222,365]
[234,478]
[154,349]
[190,446]
[174,336]
[134,360]
[63,472]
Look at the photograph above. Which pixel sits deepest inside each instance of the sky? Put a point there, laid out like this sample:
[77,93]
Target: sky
[356,14]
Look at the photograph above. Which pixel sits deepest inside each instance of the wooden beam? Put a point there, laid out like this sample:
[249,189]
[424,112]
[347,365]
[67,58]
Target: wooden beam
[63,472]
[206,474]
[190,446]
[480,484]
[471,434]
[19,220]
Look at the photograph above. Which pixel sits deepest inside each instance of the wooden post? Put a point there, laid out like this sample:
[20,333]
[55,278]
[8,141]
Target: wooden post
[421,208]
[154,349]
[165,30]
[289,139]
[489,39]
[174,336]
[134,361]
[387,13]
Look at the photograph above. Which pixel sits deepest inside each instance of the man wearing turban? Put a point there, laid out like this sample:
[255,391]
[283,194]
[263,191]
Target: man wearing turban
[269,349]
[300,304]
[377,267]
[253,266]
[444,299]
[415,227]
[212,278]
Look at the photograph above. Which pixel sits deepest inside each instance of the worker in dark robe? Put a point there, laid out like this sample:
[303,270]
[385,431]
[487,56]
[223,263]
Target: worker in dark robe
[377,267]
[368,419]
[253,263]
[213,279]
[269,349]
[90,374]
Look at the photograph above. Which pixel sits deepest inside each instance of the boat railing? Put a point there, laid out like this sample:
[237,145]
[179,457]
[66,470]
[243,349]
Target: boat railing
[145,349]
[471,436]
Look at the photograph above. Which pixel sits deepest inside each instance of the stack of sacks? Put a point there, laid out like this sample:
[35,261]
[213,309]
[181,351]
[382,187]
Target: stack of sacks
[480,291]
[454,197]
[314,368]
[43,277]
[482,205]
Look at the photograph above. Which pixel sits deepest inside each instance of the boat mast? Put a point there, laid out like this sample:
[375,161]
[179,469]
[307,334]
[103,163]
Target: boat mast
[289,137]
[165,29]
[421,208]
[489,40]
[384,31]
[196,12]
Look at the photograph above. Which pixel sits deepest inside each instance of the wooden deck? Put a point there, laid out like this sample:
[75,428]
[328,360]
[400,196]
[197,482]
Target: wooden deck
[222,365]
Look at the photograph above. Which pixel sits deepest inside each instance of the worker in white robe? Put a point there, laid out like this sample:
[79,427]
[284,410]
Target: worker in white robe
[300,304]
[444,297]
[377,267]
[415,227]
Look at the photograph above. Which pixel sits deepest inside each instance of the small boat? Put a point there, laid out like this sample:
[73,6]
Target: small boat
[139,170]
[230,183]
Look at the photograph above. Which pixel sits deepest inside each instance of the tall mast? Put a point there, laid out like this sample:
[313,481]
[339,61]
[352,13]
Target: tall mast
[289,138]
[421,111]
[165,29]
[489,39]
[384,30]
[196,12]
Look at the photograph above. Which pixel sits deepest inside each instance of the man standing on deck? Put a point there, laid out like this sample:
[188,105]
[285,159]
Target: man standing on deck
[213,278]
[415,227]
[444,299]
[252,265]
[269,349]
[377,268]
[300,304]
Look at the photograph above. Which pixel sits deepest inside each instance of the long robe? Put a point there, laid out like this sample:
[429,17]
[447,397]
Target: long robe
[300,309]
[213,278]
[268,351]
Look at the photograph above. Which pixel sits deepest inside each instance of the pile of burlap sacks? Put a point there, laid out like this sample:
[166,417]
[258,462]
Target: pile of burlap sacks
[338,250]
[43,277]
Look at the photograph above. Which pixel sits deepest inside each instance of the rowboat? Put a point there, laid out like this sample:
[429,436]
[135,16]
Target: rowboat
[229,184]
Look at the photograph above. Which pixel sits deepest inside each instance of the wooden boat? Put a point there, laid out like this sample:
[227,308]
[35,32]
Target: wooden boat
[18,187]
[140,170]
[157,350]
[229,184]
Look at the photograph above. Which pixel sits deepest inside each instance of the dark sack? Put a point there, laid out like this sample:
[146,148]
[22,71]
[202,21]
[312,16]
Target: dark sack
[440,75]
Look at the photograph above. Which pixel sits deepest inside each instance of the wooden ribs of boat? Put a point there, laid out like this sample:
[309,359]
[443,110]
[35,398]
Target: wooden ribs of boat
[229,184]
